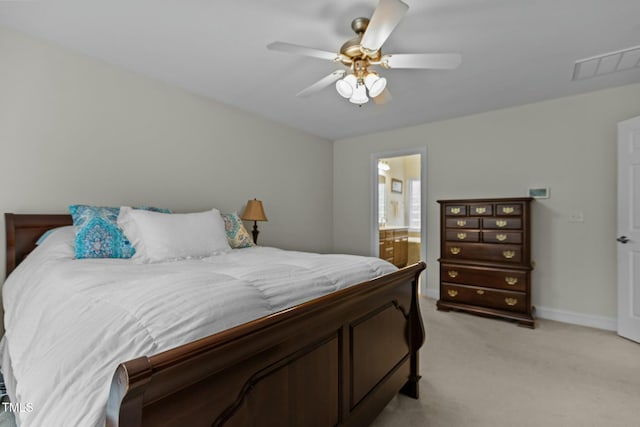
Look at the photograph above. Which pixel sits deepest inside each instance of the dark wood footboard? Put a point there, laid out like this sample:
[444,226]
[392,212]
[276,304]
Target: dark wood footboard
[336,360]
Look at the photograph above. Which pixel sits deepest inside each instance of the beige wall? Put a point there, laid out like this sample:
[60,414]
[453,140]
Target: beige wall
[567,144]
[76,130]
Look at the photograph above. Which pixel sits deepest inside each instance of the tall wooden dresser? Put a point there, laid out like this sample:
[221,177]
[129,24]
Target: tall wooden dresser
[485,257]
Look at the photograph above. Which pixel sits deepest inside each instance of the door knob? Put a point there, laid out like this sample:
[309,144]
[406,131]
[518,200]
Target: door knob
[623,239]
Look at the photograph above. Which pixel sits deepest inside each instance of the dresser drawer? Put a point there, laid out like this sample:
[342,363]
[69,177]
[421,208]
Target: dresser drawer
[509,209]
[463,223]
[463,236]
[483,252]
[455,210]
[513,237]
[502,223]
[512,280]
[481,210]
[485,297]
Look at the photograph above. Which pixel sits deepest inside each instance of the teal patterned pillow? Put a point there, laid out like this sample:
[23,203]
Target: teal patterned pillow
[237,235]
[98,234]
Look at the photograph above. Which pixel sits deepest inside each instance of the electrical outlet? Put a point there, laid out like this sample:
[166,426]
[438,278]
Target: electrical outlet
[576,216]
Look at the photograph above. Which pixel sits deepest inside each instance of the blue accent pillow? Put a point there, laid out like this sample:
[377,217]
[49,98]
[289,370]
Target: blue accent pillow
[98,234]
[237,235]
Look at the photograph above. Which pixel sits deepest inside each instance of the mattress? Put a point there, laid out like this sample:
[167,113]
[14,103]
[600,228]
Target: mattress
[70,322]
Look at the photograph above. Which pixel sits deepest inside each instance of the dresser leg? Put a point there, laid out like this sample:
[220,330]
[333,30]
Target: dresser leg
[441,308]
[531,324]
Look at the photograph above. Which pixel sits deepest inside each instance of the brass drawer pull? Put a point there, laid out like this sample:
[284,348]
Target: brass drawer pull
[455,211]
[507,209]
[461,223]
[511,301]
[501,237]
[511,280]
[481,210]
[455,250]
[508,254]
[480,292]
[501,223]
[452,273]
[452,292]
[462,236]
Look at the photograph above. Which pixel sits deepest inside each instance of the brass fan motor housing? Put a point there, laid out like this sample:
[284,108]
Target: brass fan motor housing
[352,48]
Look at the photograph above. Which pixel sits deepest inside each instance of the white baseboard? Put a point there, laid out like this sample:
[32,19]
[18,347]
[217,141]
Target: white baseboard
[590,320]
[432,293]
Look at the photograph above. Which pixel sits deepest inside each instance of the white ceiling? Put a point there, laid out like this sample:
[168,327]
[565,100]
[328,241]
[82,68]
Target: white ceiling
[513,51]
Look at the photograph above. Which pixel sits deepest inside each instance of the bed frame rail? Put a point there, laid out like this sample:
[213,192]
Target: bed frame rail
[336,360]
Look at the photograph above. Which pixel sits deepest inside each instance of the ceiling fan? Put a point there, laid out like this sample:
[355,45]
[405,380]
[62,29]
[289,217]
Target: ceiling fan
[358,83]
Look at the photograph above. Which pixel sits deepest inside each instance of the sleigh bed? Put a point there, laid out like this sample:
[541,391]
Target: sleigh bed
[337,359]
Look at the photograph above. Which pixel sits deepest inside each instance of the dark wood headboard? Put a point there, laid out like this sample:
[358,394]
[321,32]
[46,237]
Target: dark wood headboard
[23,230]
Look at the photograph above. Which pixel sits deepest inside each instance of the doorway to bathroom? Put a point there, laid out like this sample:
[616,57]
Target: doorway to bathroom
[399,195]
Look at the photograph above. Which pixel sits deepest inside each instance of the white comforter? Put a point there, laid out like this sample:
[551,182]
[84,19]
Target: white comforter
[71,322]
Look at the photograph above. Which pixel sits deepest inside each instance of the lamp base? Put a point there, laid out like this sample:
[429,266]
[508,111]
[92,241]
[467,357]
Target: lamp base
[255,232]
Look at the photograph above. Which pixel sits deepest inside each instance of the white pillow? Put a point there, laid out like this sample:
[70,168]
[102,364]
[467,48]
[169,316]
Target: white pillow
[162,237]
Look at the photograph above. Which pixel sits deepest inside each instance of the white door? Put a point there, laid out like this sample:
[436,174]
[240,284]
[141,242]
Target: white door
[629,229]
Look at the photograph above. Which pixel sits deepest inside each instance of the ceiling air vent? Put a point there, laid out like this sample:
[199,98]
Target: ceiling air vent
[607,63]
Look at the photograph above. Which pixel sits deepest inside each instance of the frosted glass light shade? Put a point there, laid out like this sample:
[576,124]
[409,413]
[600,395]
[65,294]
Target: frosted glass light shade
[359,95]
[346,86]
[375,84]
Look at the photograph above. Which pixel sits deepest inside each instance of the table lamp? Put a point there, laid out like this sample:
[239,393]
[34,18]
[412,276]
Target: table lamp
[254,212]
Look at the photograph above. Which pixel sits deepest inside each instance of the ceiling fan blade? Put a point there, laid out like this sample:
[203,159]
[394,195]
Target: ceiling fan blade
[385,18]
[322,83]
[434,61]
[383,98]
[303,50]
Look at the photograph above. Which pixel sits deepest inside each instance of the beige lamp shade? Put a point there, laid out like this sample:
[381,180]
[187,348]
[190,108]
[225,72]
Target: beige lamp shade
[254,211]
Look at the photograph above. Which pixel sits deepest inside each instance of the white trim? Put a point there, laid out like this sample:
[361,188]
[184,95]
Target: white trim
[433,293]
[590,320]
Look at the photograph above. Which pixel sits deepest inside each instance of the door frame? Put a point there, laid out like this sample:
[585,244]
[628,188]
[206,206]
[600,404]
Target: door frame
[373,210]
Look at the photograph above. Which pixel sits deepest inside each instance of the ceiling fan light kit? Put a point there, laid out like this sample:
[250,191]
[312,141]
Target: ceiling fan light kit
[375,84]
[364,51]
[346,86]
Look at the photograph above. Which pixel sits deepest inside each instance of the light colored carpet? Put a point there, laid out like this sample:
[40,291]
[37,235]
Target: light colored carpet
[485,372]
